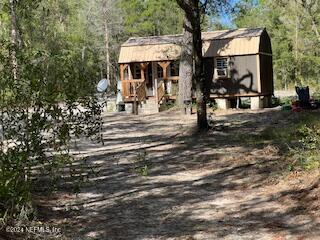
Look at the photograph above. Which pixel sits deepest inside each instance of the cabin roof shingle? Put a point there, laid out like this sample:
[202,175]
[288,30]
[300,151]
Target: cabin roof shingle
[168,47]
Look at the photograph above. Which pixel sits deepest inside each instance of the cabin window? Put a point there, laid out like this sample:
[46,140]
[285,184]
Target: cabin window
[174,68]
[159,71]
[136,72]
[221,68]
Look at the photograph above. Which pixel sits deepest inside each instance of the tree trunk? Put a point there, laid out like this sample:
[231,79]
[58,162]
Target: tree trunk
[186,66]
[296,71]
[199,78]
[315,28]
[106,39]
[192,9]
[14,40]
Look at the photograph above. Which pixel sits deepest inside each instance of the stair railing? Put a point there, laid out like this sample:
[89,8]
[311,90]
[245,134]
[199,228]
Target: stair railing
[141,91]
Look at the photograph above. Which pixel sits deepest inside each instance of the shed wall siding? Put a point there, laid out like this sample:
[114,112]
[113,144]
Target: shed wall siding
[243,76]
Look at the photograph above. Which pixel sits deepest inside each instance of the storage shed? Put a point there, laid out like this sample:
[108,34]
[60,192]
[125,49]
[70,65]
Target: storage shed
[237,63]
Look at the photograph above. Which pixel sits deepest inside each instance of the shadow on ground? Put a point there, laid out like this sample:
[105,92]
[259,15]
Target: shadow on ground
[197,186]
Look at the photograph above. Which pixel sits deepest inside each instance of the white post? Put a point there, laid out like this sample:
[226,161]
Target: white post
[156,88]
[223,103]
[256,103]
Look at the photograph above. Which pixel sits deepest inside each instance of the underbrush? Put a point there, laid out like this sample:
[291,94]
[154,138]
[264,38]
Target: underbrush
[167,105]
[316,93]
[299,141]
[14,186]
[35,146]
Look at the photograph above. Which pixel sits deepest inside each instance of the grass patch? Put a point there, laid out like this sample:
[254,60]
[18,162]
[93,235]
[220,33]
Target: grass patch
[142,164]
[167,105]
[298,141]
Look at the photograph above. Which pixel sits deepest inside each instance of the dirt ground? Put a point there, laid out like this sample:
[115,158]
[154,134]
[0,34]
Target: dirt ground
[155,178]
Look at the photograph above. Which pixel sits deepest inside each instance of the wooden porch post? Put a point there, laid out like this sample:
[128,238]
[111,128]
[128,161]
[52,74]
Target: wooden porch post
[135,106]
[143,67]
[121,71]
[122,68]
[164,66]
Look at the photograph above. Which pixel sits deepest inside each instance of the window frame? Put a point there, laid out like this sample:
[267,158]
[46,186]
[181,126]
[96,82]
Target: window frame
[225,66]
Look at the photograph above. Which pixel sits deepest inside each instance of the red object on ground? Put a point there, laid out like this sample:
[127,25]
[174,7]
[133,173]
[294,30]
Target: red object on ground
[296,107]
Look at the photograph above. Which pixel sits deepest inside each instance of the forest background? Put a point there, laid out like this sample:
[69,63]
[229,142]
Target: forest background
[94,30]
[56,51]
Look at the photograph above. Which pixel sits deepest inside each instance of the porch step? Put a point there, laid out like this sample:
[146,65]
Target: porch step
[150,106]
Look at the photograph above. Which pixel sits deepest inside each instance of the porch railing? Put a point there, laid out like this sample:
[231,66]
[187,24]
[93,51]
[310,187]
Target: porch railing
[137,88]
[130,88]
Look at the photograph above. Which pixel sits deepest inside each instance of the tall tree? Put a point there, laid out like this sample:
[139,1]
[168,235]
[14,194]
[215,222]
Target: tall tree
[103,22]
[186,65]
[106,13]
[14,39]
[194,11]
[151,17]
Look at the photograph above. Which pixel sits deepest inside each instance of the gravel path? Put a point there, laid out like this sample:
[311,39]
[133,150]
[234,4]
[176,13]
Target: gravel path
[155,178]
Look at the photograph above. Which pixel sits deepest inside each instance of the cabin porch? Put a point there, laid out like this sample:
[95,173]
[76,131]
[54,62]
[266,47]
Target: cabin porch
[149,81]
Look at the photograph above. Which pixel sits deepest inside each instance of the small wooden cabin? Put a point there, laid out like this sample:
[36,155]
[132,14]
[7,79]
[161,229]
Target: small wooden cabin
[237,63]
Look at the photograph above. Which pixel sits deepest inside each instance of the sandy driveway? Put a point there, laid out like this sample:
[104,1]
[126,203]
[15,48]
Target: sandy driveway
[197,186]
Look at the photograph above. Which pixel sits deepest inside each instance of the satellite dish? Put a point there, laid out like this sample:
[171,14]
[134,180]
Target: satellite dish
[103,85]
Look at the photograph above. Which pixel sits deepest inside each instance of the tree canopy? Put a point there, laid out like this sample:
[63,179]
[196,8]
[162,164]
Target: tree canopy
[294,30]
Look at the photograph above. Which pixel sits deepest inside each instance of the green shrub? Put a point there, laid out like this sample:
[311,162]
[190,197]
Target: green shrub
[212,104]
[286,101]
[275,101]
[301,139]
[142,164]
[167,105]
[40,113]
[316,93]
[298,141]
[246,103]
[14,184]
